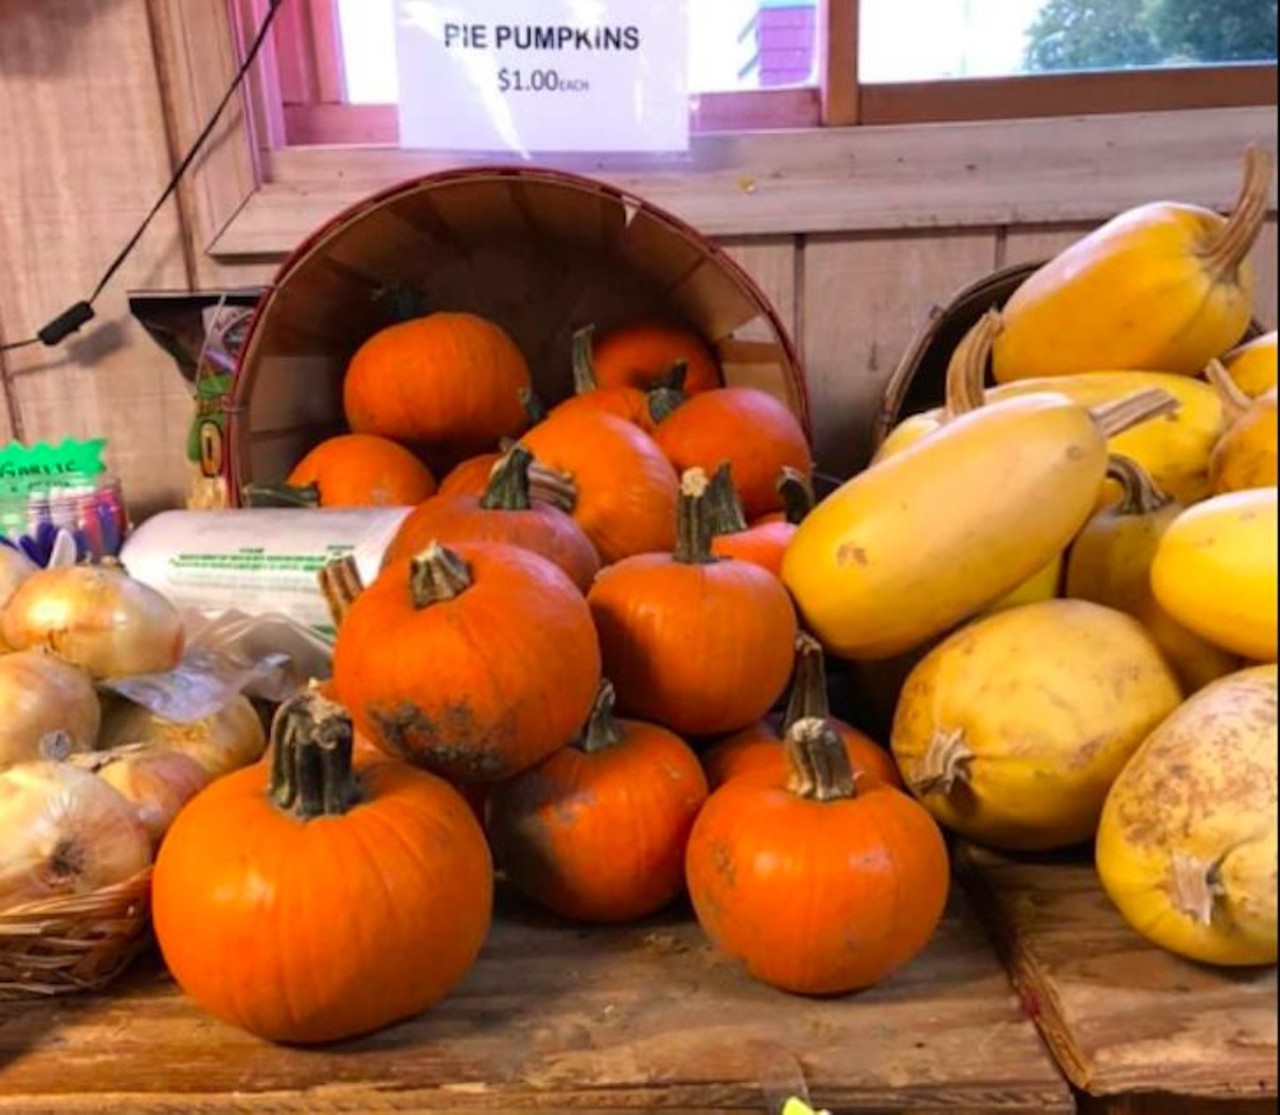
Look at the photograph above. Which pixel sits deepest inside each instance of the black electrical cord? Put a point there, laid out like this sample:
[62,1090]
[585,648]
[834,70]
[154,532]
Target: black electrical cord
[73,317]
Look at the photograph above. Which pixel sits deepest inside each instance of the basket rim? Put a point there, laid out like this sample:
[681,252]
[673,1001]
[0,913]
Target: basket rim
[66,905]
[546,175]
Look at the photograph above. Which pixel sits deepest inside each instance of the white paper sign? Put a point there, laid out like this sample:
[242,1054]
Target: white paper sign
[543,75]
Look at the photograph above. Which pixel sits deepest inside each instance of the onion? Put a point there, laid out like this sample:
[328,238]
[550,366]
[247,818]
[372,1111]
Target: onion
[231,738]
[95,617]
[15,567]
[40,695]
[64,831]
[157,781]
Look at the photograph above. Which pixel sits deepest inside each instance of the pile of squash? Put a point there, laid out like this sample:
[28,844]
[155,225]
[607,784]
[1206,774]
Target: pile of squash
[90,782]
[1134,704]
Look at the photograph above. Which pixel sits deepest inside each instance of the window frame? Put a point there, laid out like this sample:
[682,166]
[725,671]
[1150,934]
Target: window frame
[250,198]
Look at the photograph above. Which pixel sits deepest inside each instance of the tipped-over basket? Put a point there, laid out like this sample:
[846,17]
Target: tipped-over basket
[541,252]
[72,943]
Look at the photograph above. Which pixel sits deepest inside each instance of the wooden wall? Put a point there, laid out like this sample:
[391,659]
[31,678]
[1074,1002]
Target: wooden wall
[87,140]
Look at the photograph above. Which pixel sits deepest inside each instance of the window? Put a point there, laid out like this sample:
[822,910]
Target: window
[761,64]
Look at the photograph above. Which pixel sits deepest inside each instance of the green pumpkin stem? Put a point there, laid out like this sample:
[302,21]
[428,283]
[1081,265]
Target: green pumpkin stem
[820,769]
[281,495]
[1141,494]
[534,409]
[584,369]
[797,494]
[808,697]
[667,395]
[437,574]
[312,741]
[603,730]
[721,503]
[693,520]
[508,488]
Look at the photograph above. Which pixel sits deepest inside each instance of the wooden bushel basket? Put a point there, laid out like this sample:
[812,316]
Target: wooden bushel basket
[540,252]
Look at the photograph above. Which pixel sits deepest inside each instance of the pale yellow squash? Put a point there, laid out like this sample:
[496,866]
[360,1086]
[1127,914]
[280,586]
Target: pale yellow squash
[1253,364]
[1161,287]
[925,539]
[1245,455]
[1215,572]
[1110,563]
[1186,847]
[1011,730]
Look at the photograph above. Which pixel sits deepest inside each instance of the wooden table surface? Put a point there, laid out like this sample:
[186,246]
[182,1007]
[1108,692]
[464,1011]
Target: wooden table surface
[1125,1019]
[566,1019]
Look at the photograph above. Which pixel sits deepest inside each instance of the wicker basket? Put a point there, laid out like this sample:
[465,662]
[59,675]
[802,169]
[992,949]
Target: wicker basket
[77,943]
[918,383]
[541,252]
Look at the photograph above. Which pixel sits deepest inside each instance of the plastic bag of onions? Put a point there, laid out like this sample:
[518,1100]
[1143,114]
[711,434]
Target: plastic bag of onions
[15,567]
[231,738]
[41,695]
[64,831]
[96,617]
[156,781]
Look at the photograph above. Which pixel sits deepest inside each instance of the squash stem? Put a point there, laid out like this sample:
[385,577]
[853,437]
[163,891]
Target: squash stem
[508,487]
[312,740]
[1234,401]
[721,503]
[1234,243]
[808,697]
[967,372]
[1194,887]
[667,395]
[340,584]
[1141,495]
[436,575]
[584,370]
[797,495]
[550,486]
[282,495]
[693,520]
[1132,410]
[944,765]
[820,768]
[603,730]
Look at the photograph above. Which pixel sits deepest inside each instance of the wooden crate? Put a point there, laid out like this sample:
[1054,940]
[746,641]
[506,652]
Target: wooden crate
[1135,1028]
[554,1018]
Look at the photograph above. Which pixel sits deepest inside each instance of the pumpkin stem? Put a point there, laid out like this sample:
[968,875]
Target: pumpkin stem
[1132,410]
[722,505]
[1234,401]
[584,368]
[1235,241]
[340,584]
[551,486]
[281,495]
[603,730]
[534,410]
[1194,887]
[667,394]
[311,744]
[1141,495]
[508,487]
[808,696]
[436,575]
[820,768]
[945,763]
[403,302]
[967,372]
[693,520]
[797,494]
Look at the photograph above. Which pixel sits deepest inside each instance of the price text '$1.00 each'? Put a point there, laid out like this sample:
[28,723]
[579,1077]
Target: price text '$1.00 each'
[539,81]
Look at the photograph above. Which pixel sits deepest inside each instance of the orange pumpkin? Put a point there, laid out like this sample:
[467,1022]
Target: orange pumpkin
[360,470]
[762,544]
[453,383]
[470,477]
[759,747]
[818,884]
[349,896]
[475,661]
[750,429]
[643,406]
[625,489]
[640,353]
[504,513]
[597,831]
[690,641]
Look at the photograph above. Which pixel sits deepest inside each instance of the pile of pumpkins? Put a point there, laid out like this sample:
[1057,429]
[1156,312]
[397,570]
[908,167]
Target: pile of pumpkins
[90,782]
